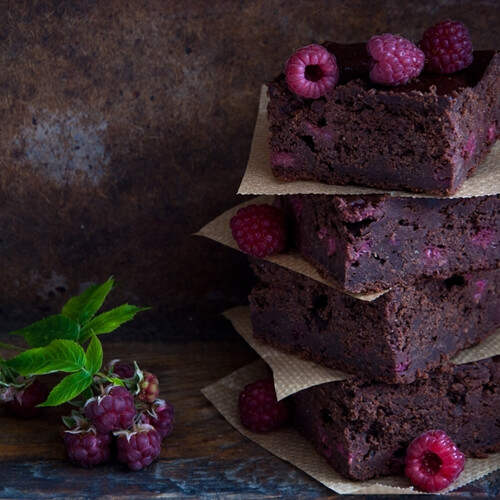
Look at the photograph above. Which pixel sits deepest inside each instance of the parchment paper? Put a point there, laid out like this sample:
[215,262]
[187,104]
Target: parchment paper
[259,179]
[290,446]
[292,374]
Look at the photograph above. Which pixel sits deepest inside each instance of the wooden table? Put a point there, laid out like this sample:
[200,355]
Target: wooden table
[203,458]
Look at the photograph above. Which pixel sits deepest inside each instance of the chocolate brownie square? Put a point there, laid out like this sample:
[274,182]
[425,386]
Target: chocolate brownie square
[374,242]
[426,136]
[363,428]
[396,338]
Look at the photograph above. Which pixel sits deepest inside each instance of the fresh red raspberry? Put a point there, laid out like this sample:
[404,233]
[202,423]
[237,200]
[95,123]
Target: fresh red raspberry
[139,447]
[447,47]
[25,401]
[260,411]
[312,71]
[112,411]
[433,461]
[397,60]
[259,230]
[149,388]
[161,417]
[87,448]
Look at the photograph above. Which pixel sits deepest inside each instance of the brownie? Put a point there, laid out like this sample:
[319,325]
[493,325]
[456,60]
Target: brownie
[396,338]
[374,242]
[363,428]
[426,136]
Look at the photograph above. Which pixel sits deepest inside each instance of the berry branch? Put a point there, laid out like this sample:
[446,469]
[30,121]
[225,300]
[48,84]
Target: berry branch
[120,400]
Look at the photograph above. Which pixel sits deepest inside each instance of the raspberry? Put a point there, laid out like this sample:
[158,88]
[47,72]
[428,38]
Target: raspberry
[312,71]
[433,461]
[24,404]
[123,370]
[7,393]
[87,448]
[139,447]
[447,47]
[161,417]
[148,388]
[259,409]
[397,60]
[112,411]
[259,230]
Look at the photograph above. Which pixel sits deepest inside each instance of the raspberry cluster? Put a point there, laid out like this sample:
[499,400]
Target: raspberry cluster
[130,415]
[446,47]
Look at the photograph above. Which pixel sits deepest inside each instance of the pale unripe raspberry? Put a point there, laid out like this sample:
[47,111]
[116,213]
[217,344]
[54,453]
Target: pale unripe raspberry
[149,388]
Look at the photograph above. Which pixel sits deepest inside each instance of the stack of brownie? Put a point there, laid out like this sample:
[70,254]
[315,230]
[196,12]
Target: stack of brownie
[431,256]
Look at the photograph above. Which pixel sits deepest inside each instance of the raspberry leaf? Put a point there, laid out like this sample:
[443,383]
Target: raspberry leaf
[68,388]
[83,307]
[59,355]
[93,356]
[43,332]
[109,320]
[74,305]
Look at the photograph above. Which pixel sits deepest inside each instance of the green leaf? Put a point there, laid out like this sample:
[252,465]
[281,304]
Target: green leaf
[68,388]
[43,332]
[82,308]
[93,355]
[74,306]
[10,347]
[59,355]
[110,320]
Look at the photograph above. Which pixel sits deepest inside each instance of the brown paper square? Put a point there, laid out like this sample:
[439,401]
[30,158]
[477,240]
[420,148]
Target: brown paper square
[289,445]
[259,179]
[292,374]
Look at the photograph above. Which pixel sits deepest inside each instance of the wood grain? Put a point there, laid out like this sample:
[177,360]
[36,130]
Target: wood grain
[203,458]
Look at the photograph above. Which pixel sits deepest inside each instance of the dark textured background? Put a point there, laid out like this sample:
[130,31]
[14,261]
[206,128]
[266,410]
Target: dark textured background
[125,126]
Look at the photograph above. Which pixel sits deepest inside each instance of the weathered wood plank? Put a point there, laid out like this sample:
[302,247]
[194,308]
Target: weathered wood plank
[203,458]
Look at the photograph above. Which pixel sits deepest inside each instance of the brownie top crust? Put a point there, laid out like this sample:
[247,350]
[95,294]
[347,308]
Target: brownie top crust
[354,63]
